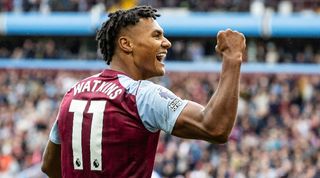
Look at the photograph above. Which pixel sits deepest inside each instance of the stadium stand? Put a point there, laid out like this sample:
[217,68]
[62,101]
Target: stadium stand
[277,133]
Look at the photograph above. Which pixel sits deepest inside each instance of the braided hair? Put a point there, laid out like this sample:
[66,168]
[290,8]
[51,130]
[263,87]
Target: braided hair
[110,29]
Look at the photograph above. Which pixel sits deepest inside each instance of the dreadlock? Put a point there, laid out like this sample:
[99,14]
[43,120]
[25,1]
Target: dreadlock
[106,36]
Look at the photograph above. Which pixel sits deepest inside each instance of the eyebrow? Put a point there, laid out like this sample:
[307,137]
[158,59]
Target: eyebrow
[158,32]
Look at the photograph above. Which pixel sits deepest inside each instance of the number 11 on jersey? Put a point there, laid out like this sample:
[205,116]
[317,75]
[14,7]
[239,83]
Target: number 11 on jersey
[97,109]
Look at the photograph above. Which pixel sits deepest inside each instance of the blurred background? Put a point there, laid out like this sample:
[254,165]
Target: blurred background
[47,45]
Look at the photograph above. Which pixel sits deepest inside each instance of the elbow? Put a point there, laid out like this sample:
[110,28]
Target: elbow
[219,138]
[44,168]
[219,135]
[50,171]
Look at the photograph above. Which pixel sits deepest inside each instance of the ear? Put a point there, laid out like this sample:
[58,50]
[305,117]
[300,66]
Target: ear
[125,44]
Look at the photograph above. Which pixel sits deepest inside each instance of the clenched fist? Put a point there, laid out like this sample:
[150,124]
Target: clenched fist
[230,43]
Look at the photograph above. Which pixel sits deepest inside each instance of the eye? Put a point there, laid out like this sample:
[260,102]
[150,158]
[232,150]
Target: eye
[157,36]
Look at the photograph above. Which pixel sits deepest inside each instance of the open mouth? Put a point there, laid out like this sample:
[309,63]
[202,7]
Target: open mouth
[161,57]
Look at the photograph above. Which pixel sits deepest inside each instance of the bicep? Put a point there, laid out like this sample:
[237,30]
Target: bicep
[189,124]
[51,159]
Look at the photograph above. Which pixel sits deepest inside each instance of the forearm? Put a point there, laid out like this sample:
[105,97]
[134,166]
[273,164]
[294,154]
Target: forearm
[220,112]
[215,121]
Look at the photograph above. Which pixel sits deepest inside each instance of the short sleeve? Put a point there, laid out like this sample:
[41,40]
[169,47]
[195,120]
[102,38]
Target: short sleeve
[158,107]
[54,134]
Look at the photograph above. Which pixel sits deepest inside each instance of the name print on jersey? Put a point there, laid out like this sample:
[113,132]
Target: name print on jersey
[110,89]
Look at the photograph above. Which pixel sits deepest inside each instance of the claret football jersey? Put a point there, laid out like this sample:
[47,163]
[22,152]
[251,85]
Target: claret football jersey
[108,126]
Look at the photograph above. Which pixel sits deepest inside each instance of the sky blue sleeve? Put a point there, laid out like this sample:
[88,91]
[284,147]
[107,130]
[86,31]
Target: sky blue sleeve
[158,107]
[54,134]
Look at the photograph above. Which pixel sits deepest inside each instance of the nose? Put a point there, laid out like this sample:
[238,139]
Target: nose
[166,43]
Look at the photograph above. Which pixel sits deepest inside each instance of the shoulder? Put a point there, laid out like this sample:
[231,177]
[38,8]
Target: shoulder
[135,86]
[83,80]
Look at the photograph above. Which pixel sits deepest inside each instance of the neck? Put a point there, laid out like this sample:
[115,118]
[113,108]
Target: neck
[126,66]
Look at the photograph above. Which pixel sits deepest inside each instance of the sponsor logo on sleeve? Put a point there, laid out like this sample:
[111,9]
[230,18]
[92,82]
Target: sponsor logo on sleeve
[166,94]
[174,101]
[175,104]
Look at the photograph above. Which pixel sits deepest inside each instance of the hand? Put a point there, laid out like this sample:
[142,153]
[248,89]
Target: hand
[230,43]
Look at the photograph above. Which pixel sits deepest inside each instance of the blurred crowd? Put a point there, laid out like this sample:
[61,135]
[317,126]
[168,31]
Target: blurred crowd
[194,5]
[282,50]
[278,129]
[188,49]
[28,104]
[277,133]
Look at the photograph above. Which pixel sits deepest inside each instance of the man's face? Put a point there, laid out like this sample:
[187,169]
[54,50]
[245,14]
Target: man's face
[149,48]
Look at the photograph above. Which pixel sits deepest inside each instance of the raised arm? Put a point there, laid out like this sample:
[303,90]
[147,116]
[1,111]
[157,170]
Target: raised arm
[215,121]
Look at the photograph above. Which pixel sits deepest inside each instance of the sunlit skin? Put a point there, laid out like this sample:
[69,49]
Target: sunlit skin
[141,50]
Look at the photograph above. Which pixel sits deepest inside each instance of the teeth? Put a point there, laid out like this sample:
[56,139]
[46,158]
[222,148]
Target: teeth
[161,55]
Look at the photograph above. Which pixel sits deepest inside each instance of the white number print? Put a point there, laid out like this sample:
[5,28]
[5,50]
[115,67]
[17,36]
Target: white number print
[97,109]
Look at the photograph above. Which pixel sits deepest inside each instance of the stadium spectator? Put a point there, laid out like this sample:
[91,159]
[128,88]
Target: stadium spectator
[111,5]
[286,136]
[137,109]
[264,51]
[288,129]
